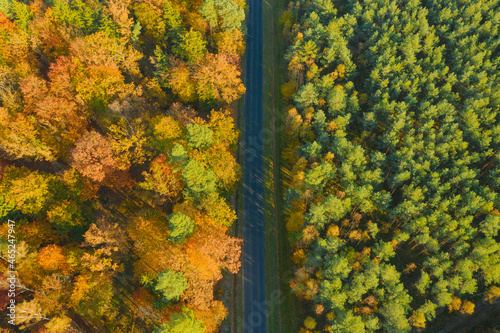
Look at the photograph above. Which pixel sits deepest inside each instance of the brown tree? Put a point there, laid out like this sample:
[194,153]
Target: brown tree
[94,158]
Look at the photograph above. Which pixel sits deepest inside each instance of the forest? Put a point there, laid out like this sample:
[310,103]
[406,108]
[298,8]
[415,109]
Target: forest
[392,146]
[117,162]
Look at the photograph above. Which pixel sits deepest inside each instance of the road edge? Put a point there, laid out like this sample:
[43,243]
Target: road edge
[283,308]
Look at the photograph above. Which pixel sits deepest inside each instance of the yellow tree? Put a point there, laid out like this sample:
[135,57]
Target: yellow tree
[218,78]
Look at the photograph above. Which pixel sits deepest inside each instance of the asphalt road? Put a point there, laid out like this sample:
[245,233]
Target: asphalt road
[254,284]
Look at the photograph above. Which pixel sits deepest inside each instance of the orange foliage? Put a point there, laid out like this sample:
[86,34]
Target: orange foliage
[219,78]
[299,257]
[94,158]
[52,258]
[208,252]
[212,317]
[163,178]
[333,231]
[181,82]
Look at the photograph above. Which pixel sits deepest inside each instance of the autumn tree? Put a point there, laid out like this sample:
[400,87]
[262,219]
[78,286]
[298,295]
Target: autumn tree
[182,322]
[171,284]
[93,157]
[218,79]
[181,227]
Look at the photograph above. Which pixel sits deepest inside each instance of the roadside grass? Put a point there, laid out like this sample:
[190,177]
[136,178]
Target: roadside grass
[238,225]
[284,310]
[234,321]
[237,310]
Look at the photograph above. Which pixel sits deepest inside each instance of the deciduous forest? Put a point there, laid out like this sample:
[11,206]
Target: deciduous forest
[117,144]
[393,139]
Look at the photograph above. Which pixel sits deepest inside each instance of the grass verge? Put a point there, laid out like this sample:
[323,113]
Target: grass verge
[234,321]
[237,309]
[284,311]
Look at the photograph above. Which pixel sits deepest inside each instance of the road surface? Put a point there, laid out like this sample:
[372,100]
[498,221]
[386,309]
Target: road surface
[254,283]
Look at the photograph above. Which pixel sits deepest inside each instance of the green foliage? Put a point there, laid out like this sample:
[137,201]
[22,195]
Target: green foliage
[173,18]
[22,14]
[199,180]
[192,46]
[5,207]
[178,153]
[226,12]
[491,225]
[82,15]
[66,216]
[6,8]
[181,227]
[153,25]
[199,136]
[306,96]
[171,284]
[398,108]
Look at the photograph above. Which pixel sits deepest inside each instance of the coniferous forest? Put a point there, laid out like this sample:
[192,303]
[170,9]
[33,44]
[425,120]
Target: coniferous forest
[117,161]
[393,139]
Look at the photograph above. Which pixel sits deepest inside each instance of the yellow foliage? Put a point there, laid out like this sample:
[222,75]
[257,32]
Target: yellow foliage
[52,258]
[467,307]
[167,129]
[186,208]
[355,235]
[312,72]
[332,126]
[219,212]
[310,323]
[81,287]
[492,294]
[295,222]
[230,41]
[410,268]
[366,251]
[297,180]
[222,124]
[309,234]
[290,154]
[328,158]
[340,70]
[319,308]
[212,317]
[201,264]
[299,257]
[182,83]
[363,99]
[356,266]
[333,231]
[309,114]
[417,319]
[455,304]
